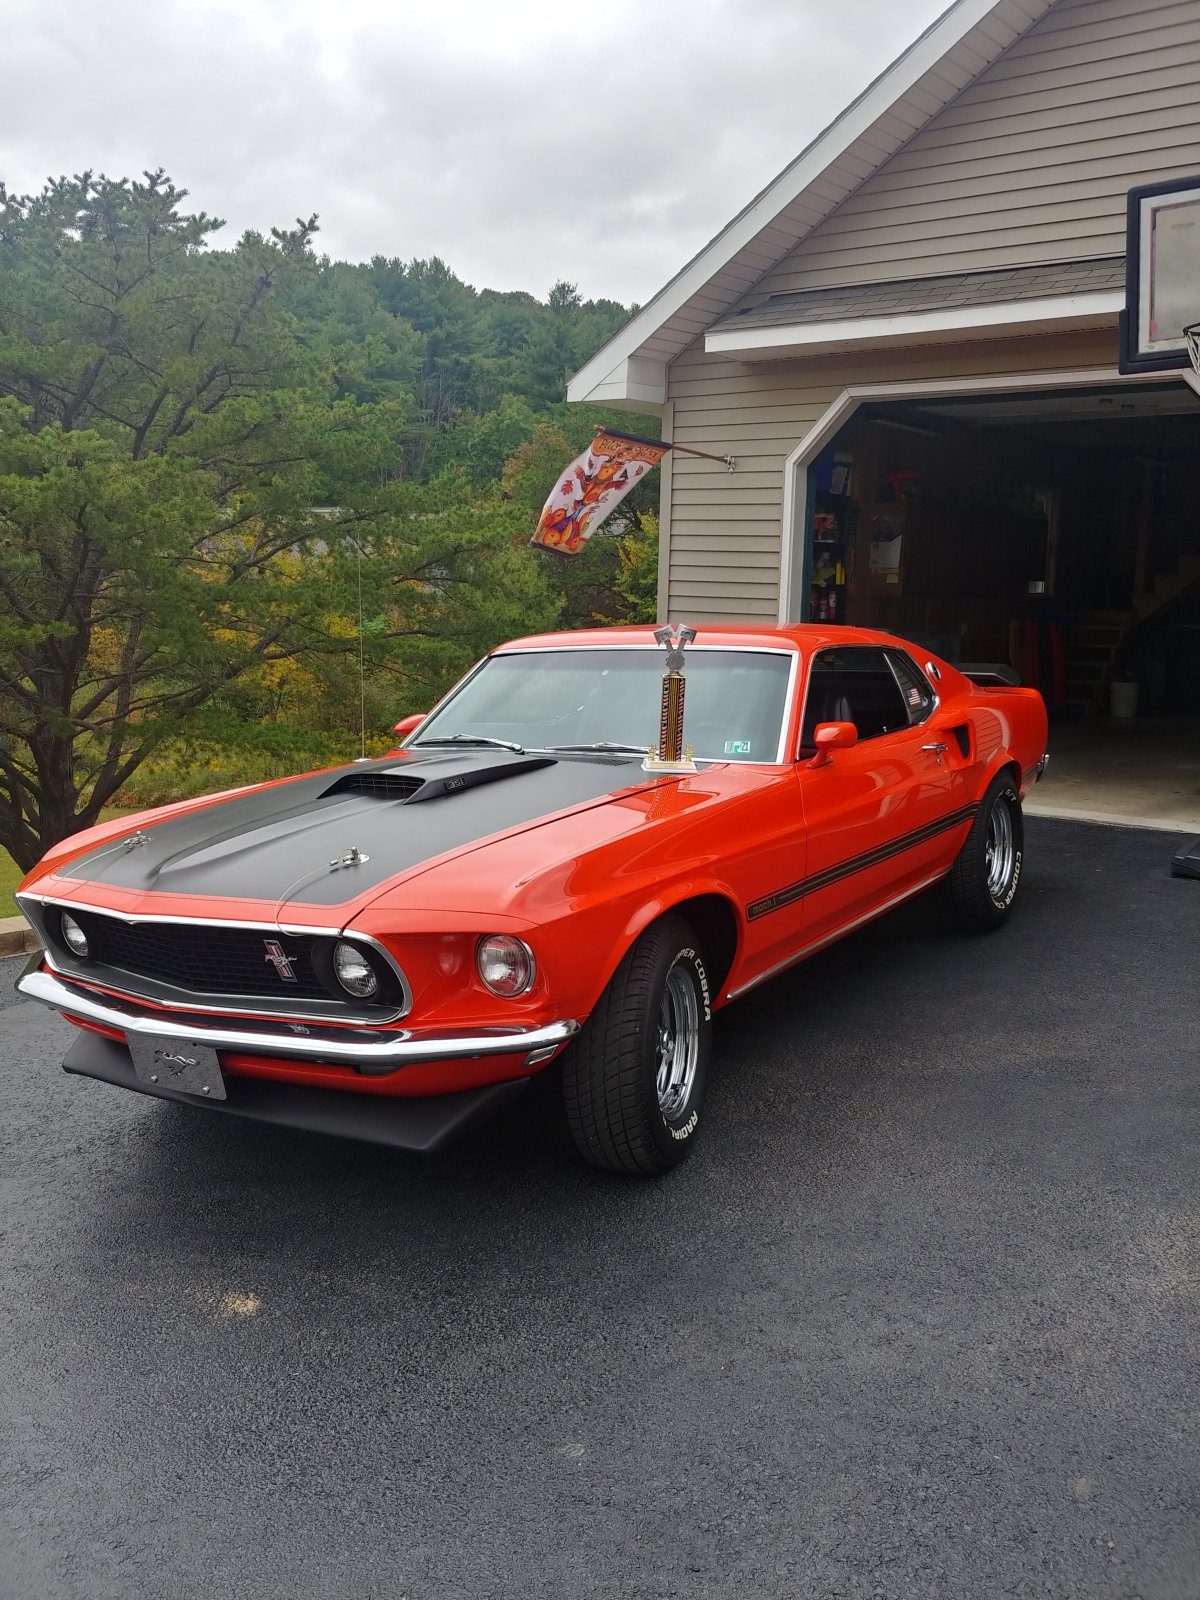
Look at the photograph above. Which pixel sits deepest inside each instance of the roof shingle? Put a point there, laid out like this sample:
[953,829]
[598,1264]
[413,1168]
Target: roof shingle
[951,291]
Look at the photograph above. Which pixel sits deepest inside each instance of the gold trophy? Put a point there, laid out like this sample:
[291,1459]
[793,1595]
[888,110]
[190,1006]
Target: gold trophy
[671,756]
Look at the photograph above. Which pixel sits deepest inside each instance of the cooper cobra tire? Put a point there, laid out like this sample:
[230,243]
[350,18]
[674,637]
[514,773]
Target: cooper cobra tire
[634,1080]
[984,880]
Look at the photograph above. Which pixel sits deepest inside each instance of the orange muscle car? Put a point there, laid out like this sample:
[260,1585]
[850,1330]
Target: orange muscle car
[390,949]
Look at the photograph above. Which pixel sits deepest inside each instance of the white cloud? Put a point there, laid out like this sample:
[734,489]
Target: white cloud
[522,143]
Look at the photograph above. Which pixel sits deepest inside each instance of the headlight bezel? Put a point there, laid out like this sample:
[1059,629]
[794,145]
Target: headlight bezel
[391,993]
[67,923]
[519,957]
[346,954]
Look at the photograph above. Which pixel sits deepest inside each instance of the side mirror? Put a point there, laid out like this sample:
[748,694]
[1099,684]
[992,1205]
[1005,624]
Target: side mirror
[832,736]
[406,724]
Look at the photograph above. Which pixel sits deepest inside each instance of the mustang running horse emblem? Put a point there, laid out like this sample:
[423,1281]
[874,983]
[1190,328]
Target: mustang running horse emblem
[281,962]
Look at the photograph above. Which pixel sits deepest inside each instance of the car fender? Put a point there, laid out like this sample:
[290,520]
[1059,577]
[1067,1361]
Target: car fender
[1009,729]
[1003,761]
[673,898]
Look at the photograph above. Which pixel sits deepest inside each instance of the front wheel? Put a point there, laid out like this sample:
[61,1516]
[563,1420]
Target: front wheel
[634,1080]
[984,879]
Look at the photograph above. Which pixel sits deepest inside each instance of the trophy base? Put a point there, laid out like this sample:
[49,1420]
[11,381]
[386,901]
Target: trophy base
[654,763]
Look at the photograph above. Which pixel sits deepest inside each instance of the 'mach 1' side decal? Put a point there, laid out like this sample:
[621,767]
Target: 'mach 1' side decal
[870,858]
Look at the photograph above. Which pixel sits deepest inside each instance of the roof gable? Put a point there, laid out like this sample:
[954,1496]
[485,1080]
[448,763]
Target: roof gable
[631,369]
[1031,163]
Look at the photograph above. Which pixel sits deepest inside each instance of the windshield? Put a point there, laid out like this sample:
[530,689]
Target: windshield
[548,699]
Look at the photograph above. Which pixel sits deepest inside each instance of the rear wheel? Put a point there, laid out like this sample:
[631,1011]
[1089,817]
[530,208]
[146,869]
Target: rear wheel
[983,881]
[634,1080]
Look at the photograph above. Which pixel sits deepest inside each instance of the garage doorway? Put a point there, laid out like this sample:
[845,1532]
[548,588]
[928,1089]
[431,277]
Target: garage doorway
[1056,531]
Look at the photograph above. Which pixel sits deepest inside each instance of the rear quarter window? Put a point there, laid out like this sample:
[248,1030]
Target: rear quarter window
[915,689]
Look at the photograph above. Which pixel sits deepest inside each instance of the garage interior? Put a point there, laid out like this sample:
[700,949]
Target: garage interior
[1057,532]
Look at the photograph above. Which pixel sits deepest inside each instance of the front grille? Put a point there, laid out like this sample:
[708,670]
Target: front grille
[204,960]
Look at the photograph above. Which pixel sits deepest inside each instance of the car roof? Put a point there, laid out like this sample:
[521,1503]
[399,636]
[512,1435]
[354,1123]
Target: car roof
[801,637]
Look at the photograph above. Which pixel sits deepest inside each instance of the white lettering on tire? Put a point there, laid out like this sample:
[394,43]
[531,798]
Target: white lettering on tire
[688,1128]
[1012,888]
[702,977]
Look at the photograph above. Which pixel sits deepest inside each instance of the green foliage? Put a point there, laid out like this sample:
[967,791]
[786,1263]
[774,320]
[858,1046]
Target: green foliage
[182,769]
[113,316]
[213,463]
[480,347]
[637,569]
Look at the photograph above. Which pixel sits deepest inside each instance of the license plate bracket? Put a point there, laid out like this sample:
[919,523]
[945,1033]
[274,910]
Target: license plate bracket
[182,1064]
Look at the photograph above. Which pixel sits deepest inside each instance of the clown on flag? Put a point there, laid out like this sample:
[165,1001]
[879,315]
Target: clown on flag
[593,485]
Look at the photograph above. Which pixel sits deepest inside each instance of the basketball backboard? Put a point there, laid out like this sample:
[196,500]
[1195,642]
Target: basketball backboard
[1162,275]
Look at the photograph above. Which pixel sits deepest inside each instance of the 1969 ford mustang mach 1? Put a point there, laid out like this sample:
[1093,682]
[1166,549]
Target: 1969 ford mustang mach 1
[392,948]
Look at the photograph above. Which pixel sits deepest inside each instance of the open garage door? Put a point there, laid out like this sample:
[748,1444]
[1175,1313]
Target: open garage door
[1055,531]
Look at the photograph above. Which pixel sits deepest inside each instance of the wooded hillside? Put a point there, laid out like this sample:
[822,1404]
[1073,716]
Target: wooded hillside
[213,461]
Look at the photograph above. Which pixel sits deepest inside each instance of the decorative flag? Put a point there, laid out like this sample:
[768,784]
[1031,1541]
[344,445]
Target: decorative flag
[593,485]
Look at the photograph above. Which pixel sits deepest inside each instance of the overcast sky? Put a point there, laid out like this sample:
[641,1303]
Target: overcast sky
[522,142]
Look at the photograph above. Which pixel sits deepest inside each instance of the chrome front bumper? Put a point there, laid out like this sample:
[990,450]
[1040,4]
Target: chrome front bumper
[375,1052]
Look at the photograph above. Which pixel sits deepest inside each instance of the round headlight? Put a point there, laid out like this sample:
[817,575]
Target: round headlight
[354,971]
[505,964]
[73,936]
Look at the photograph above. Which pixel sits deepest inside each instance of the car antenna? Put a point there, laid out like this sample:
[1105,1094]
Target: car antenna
[362,676]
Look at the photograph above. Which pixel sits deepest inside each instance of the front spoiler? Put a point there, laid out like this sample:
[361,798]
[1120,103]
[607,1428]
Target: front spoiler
[372,1052]
[422,1125]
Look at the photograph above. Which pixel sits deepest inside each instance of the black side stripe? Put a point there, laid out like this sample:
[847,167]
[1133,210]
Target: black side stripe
[870,858]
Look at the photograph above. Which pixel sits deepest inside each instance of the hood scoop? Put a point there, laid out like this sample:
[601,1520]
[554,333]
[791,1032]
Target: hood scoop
[447,775]
[379,785]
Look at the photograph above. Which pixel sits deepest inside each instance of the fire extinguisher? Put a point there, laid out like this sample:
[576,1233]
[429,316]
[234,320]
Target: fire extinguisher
[831,609]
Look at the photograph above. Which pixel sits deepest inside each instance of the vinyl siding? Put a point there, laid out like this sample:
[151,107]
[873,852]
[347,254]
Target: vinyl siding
[1032,161]
[721,550]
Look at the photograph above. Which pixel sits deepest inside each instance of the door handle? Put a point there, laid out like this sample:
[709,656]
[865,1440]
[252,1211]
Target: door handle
[935,749]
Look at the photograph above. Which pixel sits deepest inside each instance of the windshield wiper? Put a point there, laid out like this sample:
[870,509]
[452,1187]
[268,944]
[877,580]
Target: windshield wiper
[471,738]
[604,745]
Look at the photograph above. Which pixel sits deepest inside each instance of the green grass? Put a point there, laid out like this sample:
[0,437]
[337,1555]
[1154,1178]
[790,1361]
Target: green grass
[10,877]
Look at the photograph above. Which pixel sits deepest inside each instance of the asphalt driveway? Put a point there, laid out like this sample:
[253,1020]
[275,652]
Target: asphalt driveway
[920,1317]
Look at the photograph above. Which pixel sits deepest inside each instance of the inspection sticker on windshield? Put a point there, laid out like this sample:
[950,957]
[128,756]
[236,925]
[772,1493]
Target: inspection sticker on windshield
[737,747]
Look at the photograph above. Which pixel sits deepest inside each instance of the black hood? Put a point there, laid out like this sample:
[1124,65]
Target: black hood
[327,839]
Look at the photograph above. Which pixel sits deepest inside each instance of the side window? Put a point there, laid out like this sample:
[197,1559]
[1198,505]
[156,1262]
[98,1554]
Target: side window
[914,687]
[853,684]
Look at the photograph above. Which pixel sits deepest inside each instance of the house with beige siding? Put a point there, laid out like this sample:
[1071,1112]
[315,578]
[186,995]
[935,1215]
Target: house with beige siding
[911,344]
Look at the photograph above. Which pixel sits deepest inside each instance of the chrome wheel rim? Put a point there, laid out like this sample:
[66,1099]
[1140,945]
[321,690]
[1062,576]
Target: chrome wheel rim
[1000,850]
[678,1042]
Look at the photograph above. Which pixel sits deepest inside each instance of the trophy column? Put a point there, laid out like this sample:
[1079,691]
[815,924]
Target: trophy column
[671,756]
